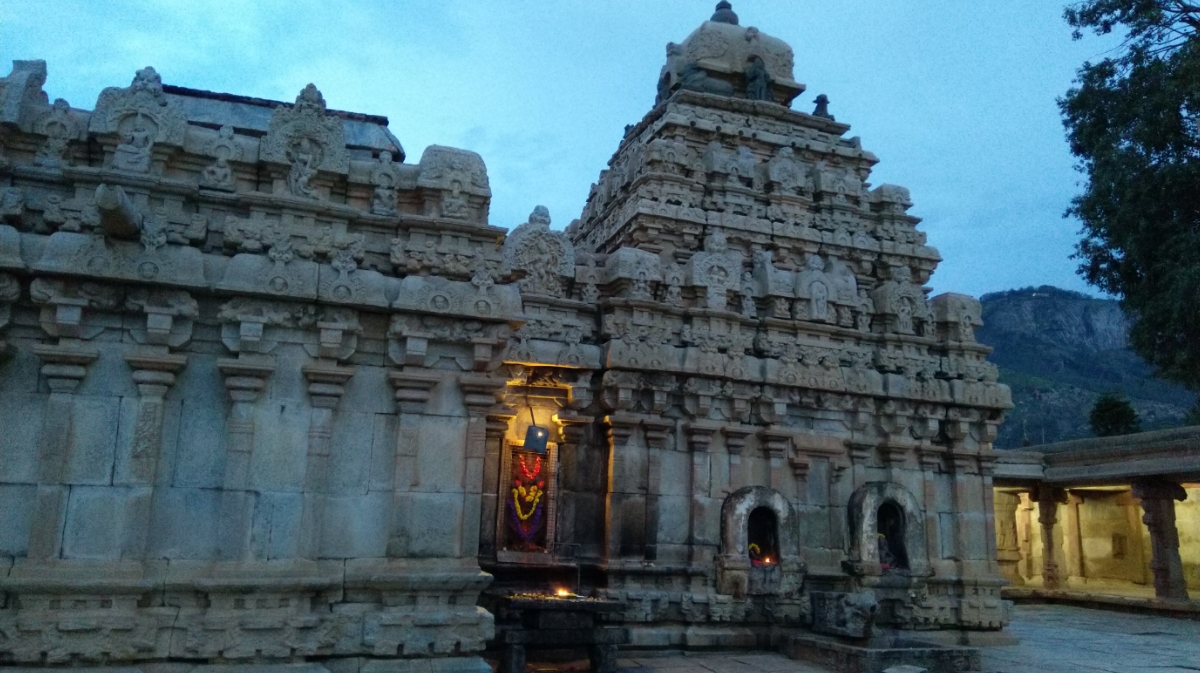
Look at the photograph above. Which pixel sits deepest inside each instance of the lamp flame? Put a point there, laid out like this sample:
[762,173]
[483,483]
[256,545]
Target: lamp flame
[767,560]
[562,593]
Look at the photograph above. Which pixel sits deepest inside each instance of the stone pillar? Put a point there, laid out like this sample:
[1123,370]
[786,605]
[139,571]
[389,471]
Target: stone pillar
[735,443]
[839,500]
[245,380]
[800,467]
[699,439]
[987,468]
[1073,539]
[326,385]
[412,394]
[777,444]
[1158,498]
[930,458]
[63,368]
[624,524]
[481,396]
[964,465]
[154,375]
[1048,499]
[656,431]
[1008,550]
[497,426]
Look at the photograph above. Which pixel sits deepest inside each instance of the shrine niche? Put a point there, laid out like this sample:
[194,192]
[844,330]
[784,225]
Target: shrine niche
[760,554]
[887,532]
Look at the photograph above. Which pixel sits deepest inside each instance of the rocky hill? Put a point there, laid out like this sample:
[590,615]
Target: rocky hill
[1059,351]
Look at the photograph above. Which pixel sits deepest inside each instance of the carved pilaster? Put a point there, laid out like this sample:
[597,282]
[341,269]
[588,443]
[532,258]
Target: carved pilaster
[10,291]
[245,380]
[63,368]
[735,443]
[412,391]
[1158,498]
[777,444]
[930,457]
[326,385]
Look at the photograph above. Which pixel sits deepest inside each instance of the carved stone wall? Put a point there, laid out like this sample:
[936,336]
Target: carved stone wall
[247,360]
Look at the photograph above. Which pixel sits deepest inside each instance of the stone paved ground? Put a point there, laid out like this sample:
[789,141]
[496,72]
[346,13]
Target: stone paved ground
[1054,639]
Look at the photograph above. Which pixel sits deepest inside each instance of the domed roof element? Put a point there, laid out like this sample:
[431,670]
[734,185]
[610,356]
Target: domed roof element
[721,57]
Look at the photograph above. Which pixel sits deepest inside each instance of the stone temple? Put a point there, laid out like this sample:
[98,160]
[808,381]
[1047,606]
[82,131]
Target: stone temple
[273,393]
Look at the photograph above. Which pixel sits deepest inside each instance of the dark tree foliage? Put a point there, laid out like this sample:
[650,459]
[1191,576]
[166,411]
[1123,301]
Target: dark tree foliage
[1131,121]
[1113,415]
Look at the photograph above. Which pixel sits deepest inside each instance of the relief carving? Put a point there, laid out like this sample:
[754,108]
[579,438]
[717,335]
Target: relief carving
[307,139]
[140,116]
[546,257]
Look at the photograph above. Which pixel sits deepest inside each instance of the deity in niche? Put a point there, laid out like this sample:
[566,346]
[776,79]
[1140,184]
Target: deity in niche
[383,201]
[219,175]
[758,82]
[304,155]
[454,202]
[526,502]
[890,537]
[133,154]
[59,129]
[904,316]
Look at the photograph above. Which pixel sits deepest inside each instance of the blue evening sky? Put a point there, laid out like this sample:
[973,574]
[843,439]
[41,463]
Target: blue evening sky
[956,98]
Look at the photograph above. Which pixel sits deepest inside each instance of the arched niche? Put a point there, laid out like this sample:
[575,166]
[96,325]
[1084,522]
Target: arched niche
[760,515]
[903,530]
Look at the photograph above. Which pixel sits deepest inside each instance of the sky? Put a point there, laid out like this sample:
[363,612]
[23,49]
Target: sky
[956,98]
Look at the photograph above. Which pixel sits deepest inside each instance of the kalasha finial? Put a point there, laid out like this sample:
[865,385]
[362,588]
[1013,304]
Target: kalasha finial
[822,110]
[724,13]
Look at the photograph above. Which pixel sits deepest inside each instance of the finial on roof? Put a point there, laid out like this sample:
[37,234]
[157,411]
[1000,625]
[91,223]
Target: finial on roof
[724,13]
[822,110]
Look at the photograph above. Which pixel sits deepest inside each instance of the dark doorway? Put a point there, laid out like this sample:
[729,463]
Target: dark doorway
[763,536]
[890,536]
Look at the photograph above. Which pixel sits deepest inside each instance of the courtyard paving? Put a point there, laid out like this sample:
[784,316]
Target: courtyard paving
[1054,638]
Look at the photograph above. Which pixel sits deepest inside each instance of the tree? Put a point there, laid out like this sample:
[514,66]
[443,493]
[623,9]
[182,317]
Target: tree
[1113,415]
[1131,121]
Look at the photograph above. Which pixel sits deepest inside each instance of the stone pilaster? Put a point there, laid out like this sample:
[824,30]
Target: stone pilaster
[699,439]
[481,396]
[1008,549]
[735,443]
[777,444]
[326,385]
[498,421]
[154,375]
[63,368]
[625,493]
[1158,498]
[412,391]
[930,457]
[245,379]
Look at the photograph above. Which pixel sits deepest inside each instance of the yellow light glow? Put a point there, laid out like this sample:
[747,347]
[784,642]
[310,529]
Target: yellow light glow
[767,560]
[562,593]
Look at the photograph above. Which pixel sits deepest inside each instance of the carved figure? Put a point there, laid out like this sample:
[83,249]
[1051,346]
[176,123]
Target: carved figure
[546,257]
[304,156]
[813,284]
[385,177]
[133,154]
[59,129]
[695,78]
[758,81]
[224,149]
[822,109]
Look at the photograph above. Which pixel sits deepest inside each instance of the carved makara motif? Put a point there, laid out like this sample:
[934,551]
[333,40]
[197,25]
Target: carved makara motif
[307,139]
[546,257]
[141,116]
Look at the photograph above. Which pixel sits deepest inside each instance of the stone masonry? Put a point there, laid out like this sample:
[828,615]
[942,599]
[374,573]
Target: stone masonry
[265,387]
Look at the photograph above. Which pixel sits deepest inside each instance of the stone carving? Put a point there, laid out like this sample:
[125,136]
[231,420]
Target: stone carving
[717,269]
[21,91]
[169,316]
[455,175]
[822,109]
[815,286]
[843,614]
[758,81]
[546,257]
[307,139]
[386,177]
[224,148]
[957,316]
[60,128]
[902,304]
[12,206]
[140,116]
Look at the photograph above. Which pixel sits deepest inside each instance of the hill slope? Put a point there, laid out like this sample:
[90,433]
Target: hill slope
[1059,351]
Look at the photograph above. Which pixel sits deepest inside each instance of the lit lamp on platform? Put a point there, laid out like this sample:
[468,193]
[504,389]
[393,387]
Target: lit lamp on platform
[536,436]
